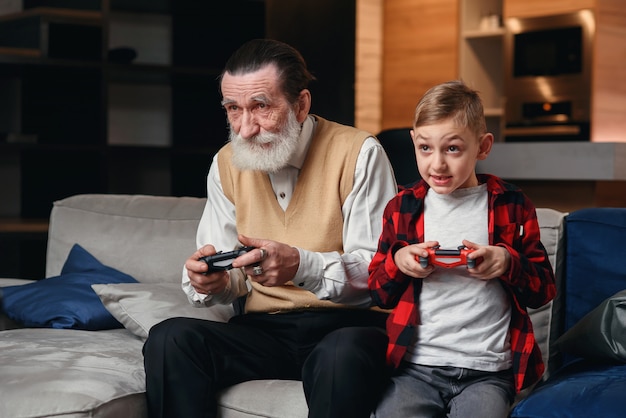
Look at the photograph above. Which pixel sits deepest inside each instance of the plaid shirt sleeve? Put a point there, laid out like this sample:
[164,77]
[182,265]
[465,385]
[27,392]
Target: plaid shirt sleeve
[530,279]
[389,287]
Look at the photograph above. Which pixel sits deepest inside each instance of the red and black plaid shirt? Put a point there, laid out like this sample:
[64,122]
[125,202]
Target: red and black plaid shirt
[529,281]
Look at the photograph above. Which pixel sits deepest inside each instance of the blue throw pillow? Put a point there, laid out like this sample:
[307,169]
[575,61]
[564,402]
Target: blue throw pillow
[67,300]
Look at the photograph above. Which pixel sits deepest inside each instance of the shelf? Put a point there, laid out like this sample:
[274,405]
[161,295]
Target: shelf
[20,225]
[55,33]
[482,34]
[493,112]
[142,6]
[56,14]
[594,161]
[21,52]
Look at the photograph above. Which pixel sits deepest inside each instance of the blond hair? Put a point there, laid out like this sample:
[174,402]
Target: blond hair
[452,99]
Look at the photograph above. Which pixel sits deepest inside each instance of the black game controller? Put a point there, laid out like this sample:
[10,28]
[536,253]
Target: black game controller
[223,260]
[448,258]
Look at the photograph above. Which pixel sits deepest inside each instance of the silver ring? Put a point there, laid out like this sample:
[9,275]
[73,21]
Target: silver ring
[263,253]
[257,270]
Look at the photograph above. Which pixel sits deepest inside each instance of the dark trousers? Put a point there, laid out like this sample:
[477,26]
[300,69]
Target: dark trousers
[338,354]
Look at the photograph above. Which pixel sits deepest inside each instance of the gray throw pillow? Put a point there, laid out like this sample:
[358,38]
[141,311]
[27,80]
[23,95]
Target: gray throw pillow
[142,305]
[601,334]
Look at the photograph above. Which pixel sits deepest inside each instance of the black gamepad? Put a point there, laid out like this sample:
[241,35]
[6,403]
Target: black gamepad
[448,258]
[224,260]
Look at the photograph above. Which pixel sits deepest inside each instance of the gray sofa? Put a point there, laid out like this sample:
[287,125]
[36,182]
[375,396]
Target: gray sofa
[48,372]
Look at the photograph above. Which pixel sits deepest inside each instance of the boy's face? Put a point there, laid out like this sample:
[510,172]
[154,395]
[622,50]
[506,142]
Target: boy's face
[447,154]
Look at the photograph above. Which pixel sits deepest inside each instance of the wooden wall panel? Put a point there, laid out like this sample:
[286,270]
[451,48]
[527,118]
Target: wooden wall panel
[369,58]
[420,49]
[609,73]
[525,8]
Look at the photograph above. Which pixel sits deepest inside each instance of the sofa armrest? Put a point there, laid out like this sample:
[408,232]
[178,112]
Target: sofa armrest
[547,319]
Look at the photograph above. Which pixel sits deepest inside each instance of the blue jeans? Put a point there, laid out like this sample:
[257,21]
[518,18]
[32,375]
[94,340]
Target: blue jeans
[429,392]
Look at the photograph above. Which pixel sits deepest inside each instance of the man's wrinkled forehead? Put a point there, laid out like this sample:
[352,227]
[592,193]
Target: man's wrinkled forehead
[259,85]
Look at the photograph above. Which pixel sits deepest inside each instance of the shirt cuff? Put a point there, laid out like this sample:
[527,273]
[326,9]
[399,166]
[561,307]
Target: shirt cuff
[201,299]
[310,271]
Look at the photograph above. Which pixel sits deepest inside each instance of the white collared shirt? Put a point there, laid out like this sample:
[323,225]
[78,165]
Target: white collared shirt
[341,278]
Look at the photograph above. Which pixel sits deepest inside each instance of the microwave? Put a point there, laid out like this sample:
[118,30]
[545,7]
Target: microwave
[547,83]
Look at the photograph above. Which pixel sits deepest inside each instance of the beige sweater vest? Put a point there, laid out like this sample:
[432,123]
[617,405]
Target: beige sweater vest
[313,220]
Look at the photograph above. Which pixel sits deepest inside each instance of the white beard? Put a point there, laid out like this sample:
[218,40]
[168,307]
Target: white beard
[254,154]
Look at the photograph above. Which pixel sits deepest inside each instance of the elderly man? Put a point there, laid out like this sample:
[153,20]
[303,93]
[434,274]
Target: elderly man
[308,195]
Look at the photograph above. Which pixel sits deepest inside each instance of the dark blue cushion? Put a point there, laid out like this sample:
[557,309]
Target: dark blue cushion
[582,389]
[595,266]
[67,300]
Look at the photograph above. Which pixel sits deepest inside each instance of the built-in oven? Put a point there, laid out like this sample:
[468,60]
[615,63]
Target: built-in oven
[547,81]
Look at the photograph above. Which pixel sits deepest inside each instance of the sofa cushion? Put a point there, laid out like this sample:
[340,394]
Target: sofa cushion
[579,390]
[123,231]
[139,306]
[71,373]
[264,398]
[67,300]
[594,271]
[595,267]
[600,335]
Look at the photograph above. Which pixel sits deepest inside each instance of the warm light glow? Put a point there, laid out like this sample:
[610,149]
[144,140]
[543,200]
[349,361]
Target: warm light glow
[547,107]
[586,16]
[514,24]
[545,88]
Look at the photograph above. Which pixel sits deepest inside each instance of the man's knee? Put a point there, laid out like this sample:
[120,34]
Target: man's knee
[344,374]
[169,331]
[159,333]
[349,341]
[355,346]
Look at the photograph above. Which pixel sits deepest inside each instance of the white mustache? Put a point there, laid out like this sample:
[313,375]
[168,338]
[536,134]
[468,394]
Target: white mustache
[263,139]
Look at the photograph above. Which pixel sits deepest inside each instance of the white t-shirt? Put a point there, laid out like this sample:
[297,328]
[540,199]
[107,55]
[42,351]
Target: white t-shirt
[464,321]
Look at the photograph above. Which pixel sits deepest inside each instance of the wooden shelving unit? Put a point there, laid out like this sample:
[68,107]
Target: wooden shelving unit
[481,62]
[74,120]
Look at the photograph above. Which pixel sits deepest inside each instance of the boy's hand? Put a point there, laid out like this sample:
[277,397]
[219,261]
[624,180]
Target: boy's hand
[407,259]
[494,260]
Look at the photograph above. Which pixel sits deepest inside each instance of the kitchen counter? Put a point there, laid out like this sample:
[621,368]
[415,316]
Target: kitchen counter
[556,161]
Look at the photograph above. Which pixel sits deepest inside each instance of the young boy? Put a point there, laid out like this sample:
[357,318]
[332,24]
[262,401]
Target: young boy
[460,338]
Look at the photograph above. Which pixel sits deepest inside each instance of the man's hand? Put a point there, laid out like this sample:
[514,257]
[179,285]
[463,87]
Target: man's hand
[202,281]
[272,263]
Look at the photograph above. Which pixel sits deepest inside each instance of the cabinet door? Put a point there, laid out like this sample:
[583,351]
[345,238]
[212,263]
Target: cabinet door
[420,49]
[525,8]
